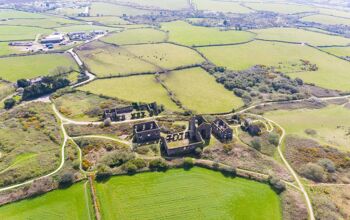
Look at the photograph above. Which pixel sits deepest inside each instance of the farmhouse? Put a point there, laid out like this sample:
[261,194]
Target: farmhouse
[222,130]
[146,132]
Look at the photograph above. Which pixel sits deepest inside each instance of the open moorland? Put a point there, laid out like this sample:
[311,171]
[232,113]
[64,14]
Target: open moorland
[186,195]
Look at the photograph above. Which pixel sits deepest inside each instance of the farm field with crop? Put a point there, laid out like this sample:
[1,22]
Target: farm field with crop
[332,72]
[14,68]
[67,204]
[331,124]
[327,19]
[13,33]
[132,36]
[300,36]
[179,194]
[197,90]
[282,8]
[190,35]
[221,6]
[100,58]
[134,88]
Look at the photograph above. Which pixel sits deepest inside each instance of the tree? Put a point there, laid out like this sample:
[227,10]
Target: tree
[188,163]
[103,172]
[274,138]
[313,171]
[107,122]
[130,167]
[22,83]
[277,184]
[158,165]
[9,103]
[256,143]
[66,179]
[327,164]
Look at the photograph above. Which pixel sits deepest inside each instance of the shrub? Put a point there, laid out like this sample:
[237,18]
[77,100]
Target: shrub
[142,150]
[313,171]
[188,163]
[274,138]
[22,83]
[103,172]
[310,132]
[256,143]
[130,167]
[327,164]
[277,184]
[198,151]
[107,122]
[9,103]
[158,165]
[227,148]
[117,158]
[66,179]
[139,163]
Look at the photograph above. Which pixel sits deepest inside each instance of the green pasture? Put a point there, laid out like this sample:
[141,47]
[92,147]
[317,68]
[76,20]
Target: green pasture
[197,90]
[178,194]
[332,73]
[221,6]
[16,33]
[161,4]
[132,36]
[338,51]
[84,27]
[334,12]
[283,8]
[331,124]
[106,20]
[11,14]
[49,22]
[107,9]
[5,49]
[190,35]
[68,204]
[5,89]
[301,36]
[68,11]
[106,60]
[14,68]
[134,88]
[326,19]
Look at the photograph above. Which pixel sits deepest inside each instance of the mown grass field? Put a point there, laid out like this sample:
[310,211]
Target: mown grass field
[338,51]
[221,6]
[301,36]
[282,8]
[169,5]
[101,58]
[197,90]
[326,19]
[190,35]
[13,33]
[69,204]
[331,124]
[14,68]
[179,194]
[9,13]
[84,27]
[333,73]
[132,36]
[107,20]
[49,22]
[5,49]
[134,88]
[100,8]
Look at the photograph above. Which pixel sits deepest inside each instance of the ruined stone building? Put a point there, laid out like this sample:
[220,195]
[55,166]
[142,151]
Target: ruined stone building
[222,130]
[146,132]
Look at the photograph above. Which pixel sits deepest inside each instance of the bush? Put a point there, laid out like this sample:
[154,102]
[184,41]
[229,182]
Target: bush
[9,103]
[277,184]
[327,164]
[274,138]
[188,163]
[66,179]
[103,172]
[198,151]
[158,165]
[227,148]
[107,122]
[256,143]
[313,171]
[130,167]
[22,83]
[139,163]
[142,150]
[117,158]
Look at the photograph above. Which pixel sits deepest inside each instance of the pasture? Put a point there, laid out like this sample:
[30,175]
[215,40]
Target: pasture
[161,4]
[178,194]
[101,58]
[326,19]
[331,124]
[132,36]
[5,49]
[134,88]
[16,33]
[14,68]
[106,9]
[338,51]
[190,35]
[49,22]
[300,36]
[197,90]
[283,8]
[332,73]
[106,20]
[84,27]
[5,89]
[221,6]
[12,14]
[68,204]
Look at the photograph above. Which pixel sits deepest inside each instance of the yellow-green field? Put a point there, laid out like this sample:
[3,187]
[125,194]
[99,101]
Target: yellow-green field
[190,35]
[5,49]
[300,35]
[334,12]
[5,89]
[197,90]
[134,88]
[49,22]
[8,33]
[106,20]
[331,124]
[75,28]
[169,4]
[105,60]
[282,8]
[333,73]
[221,6]
[326,19]
[14,68]
[132,36]
[103,9]
[338,51]
[9,13]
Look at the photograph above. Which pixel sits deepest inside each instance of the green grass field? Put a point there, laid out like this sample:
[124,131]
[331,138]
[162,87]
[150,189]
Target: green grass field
[132,36]
[9,13]
[326,19]
[282,8]
[334,12]
[14,33]
[5,89]
[86,27]
[197,90]
[179,194]
[331,124]
[221,6]
[190,35]
[5,49]
[68,204]
[169,4]
[300,35]
[106,9]
[106,20]
[101,58]
[49,22]
[14,68]
[134,88]
[333,73]
[338,51]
